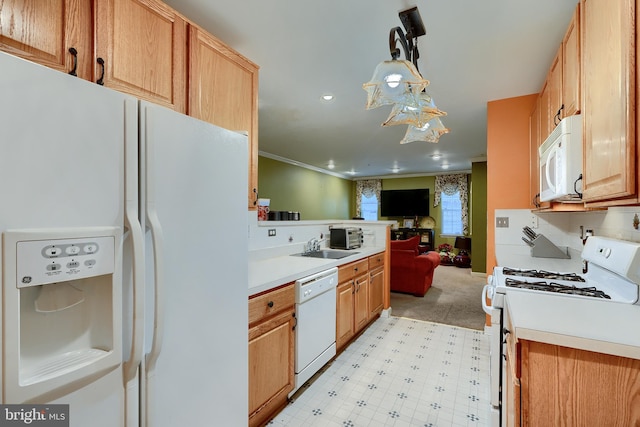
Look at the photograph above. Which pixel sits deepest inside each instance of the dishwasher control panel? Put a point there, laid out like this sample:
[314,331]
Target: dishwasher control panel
[316,284]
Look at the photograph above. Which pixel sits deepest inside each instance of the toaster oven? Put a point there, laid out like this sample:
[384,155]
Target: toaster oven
[345,238]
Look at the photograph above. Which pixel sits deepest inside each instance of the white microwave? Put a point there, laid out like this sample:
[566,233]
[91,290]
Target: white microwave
[561,162]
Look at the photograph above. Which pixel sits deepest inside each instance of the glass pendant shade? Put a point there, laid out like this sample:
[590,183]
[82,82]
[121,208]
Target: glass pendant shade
[392,81]
[431,132]
[418,110]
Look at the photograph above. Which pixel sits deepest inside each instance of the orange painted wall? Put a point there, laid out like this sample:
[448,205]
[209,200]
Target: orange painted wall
[508,163]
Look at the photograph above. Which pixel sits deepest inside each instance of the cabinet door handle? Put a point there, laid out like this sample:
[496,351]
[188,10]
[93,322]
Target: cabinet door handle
[505,332]
[100,81]
[353,288]
[557,116]
[74,53]
[575,188]
[296,324]
[270,304]
[255,201]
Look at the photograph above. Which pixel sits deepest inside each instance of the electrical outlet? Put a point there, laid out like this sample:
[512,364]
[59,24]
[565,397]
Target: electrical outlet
[534,221]
[272,232]
[502,222]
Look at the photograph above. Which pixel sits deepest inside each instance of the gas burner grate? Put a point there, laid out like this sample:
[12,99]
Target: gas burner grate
[541,274]
[557,288]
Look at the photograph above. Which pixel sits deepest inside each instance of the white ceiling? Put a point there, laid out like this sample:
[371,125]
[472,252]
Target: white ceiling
[473,52]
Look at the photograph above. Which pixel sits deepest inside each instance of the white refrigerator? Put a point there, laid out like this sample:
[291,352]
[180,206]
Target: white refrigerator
[124,256]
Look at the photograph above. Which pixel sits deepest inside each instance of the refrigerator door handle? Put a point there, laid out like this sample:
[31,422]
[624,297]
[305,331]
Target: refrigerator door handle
[137,339]
[158,312]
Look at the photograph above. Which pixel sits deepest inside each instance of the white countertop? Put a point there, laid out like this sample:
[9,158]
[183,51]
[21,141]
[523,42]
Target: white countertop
[514,259]
[593,325]
[269,273]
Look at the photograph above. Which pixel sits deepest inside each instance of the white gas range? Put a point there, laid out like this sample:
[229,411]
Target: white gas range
[611,275]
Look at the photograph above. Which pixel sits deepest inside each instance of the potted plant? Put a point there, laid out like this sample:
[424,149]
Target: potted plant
[446,254]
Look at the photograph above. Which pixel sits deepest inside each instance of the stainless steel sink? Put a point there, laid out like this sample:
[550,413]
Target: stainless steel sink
[326,253]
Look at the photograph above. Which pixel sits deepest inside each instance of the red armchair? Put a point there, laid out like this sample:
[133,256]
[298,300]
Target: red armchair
[411,272]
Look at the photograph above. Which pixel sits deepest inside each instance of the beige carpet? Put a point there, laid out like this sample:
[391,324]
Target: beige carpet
[453,299]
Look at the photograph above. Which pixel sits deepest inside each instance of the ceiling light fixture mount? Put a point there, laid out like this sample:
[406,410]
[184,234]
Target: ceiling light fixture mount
[399,83]
[414,28]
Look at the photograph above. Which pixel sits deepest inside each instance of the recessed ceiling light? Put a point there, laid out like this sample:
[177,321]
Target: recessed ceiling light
[327,97]
[436,156]
[395,170]
[445,166]
[331,165]
[351,172]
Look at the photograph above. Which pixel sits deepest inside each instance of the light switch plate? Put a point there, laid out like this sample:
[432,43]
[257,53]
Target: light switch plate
[272,232]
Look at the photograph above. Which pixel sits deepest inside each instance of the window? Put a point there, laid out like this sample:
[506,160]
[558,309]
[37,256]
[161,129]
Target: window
[369,207]
[367,198]
[452,190]
[451,213]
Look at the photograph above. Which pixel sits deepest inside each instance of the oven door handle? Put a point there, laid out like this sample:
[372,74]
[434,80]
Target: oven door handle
[487,308]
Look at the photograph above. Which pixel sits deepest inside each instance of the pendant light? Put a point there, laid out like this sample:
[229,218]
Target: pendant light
[418,110]
[399,83]
[431,132]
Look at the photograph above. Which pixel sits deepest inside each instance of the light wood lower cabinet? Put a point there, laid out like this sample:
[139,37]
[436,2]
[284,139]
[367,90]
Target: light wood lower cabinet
[361,302]
[511,387]
[360,296]
[570,387]
[376,284]
[271,352]
[344,312]
[351,300]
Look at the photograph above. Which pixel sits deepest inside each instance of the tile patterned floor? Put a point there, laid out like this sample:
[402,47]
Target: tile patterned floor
[400,372]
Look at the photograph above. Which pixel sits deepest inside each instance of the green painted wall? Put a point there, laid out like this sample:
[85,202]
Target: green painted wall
[478,216]
[292,188]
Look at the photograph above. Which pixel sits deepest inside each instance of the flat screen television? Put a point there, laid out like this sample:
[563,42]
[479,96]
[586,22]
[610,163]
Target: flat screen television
[404,202]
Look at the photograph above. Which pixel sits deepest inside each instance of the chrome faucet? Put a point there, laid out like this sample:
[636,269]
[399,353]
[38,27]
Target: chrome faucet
[313,245]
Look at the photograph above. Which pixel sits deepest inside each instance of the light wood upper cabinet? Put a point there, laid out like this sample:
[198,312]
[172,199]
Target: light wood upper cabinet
[608,90]
[143,48]
[44,31]
[551,97]
[571,68]
[534,171]
[143,45]
[223,90]
[554,113]
[543,108]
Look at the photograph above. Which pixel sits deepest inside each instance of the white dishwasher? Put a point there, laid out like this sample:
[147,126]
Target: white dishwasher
[316,327]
